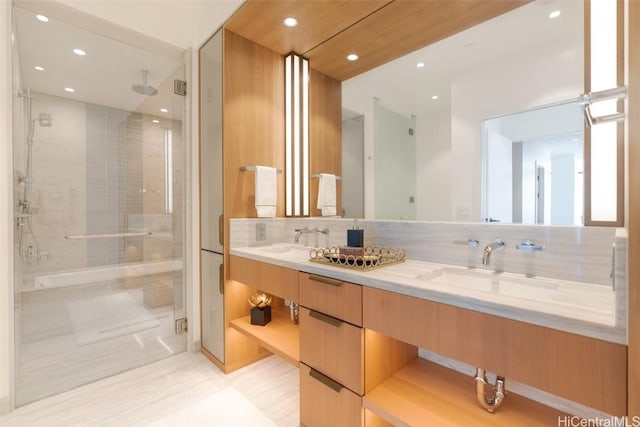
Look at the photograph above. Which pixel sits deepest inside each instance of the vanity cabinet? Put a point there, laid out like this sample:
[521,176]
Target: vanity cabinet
[335,350]
[331,352]
[280,336]
[582,369]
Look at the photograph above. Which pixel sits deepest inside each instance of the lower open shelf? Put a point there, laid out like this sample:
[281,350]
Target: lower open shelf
[280,336]
[425,394]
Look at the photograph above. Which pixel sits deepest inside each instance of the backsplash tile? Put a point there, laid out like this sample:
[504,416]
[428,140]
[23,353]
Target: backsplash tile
[583,254]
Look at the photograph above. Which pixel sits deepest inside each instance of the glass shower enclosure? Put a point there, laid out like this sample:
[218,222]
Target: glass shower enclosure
[98,198]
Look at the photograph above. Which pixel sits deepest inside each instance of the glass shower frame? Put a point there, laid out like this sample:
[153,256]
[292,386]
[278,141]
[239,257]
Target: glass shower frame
[125,290]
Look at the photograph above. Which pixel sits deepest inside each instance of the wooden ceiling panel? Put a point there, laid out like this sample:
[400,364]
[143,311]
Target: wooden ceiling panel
[318,20]
[400,28]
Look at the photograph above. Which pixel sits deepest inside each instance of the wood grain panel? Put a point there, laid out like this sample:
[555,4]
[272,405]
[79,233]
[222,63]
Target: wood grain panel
[321,406]
[272,279]
[280,335]
[383,357]
[399,28]
[253,122]
[239,350]
[318,20]
[633,216]
[426,394]
[325,134]
[341,300]
[336,350]
[581,369]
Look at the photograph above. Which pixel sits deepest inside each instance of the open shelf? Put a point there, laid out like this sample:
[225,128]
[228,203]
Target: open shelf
[424,393]
[280,336]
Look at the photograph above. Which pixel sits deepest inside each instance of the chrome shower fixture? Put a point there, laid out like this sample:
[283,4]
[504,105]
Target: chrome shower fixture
[144,88]
[44,120]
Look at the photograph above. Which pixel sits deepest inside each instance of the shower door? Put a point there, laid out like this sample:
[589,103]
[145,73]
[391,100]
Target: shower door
[99,190]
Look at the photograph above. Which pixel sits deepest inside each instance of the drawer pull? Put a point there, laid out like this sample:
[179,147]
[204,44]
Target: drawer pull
[333,385]
[326,319]
[325,280]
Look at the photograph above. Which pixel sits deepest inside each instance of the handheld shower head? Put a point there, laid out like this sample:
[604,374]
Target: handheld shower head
[144,88]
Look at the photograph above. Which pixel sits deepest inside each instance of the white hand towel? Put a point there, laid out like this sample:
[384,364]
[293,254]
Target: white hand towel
[266,191]
[327,194]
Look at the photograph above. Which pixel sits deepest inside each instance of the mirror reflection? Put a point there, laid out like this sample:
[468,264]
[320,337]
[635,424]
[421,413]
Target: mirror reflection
[533,166]
[424,115]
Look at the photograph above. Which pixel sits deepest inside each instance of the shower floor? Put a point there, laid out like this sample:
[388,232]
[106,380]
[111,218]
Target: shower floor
[79,334]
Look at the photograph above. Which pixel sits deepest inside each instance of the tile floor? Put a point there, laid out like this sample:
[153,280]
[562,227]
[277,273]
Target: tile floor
[50,357]
[183,390]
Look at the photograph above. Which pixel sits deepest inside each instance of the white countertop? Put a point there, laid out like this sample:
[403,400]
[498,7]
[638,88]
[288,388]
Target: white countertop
[576,307]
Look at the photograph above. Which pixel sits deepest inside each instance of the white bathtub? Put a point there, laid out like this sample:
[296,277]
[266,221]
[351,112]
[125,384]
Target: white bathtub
[101,274]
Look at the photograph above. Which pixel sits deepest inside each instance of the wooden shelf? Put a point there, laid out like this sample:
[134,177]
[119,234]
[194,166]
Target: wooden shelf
[280,336]
[424,393]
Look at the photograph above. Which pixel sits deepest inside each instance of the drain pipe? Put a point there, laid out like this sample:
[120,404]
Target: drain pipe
[490,403]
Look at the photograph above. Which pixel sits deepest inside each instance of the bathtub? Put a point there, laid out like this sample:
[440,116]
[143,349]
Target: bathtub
[101,274]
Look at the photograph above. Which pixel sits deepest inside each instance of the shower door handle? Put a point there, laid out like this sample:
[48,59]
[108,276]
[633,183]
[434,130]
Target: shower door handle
[104,236]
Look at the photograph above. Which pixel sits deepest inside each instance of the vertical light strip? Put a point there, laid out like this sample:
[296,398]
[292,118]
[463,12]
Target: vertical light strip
[297,135]
[305,137]
[288,61]
[168,171]
[604,137]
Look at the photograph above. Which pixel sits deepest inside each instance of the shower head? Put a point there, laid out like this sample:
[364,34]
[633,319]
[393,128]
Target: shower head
[144,88]
[45,120]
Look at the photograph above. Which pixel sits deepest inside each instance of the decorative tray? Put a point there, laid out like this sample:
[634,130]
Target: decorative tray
[362,259]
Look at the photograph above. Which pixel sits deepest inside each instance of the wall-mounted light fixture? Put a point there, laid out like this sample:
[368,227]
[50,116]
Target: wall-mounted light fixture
[604,113]
[296,135]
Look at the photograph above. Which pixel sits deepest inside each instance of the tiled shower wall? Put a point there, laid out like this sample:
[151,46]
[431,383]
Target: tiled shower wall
[111,136]
[101,170]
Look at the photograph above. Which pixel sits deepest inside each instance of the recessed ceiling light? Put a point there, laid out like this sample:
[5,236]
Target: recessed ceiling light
[554,14]
[39,68]
[155,121]
[434,97]
[420,64]
[42,18]
[352,57]
[69,89]
[164,110]
[79,52]
[290,21]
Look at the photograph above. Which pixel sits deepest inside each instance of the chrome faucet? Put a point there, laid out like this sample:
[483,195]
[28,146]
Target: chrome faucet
[486,254]
[305,230]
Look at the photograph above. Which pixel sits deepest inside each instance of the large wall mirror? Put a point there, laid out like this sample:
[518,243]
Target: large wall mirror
[442,128]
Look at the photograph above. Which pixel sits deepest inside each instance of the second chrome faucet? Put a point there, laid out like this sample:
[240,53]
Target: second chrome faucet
[486,254]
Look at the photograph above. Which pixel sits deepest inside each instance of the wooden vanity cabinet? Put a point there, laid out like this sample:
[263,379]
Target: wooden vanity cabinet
[582,369]
[339,360]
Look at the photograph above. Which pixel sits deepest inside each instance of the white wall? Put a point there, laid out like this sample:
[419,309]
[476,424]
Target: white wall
[433,152]
[353,167]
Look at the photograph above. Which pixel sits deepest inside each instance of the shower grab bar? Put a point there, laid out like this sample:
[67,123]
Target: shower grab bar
[105,236]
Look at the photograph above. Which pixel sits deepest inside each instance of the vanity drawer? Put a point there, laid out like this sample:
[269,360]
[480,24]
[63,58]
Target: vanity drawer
[325,403]
[333,347]
[338,299]
[272,279]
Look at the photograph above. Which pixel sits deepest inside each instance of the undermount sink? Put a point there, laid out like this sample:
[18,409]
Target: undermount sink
[490,281]
[282,248]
